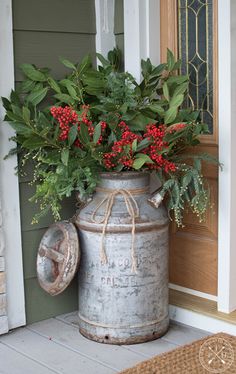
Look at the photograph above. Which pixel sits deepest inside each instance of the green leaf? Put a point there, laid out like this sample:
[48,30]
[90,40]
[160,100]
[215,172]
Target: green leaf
[114,58]
[157,109]
[130,115]
[181,89]
[14,97]
[43,120]
[21,128]
[38,86]
[84,133]
[70,88]
[140,122]
[37,96]
[34,142]
[110,107]
[178,79]
[85,64]
[102,60]
[93,91]
[27,85]
[170,60]
[140,160]
[176,101]
[65,156]
[16,110]
[26,114]
[67,63]
[170,115]
[158,70]
[195,142]
[6,103]
[123,108]
[31,72]
[146,67]
[197,164]
[94,82]
[143,144]
[112,138]
[54,85]
[134,145]
[166,91]
[177,65]
[64,98]
[147,112]
[97,133]
[72,91]
[13,117]
[72,134]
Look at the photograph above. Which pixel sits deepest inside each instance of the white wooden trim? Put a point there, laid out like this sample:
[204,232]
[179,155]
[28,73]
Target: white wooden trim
[141,34]
[200,321]
[192,292]
[105,38]
[227,155]
[8,180]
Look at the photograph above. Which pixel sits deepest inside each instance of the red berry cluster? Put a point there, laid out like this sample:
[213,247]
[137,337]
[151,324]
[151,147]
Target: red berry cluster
[122,152]
[85,119]
[65,116]
[156,135]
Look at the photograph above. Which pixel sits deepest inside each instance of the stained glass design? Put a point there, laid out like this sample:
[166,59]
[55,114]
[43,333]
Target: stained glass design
[195,24]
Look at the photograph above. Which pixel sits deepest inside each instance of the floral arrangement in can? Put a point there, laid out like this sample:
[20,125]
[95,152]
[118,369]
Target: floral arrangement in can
[100,119]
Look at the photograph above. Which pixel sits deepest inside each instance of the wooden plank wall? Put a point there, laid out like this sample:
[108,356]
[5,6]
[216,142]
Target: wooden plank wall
[43,31]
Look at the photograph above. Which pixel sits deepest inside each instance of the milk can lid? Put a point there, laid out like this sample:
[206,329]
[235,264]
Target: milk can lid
[58,257]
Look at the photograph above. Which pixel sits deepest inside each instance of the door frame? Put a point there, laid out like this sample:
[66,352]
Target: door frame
[142,40]
[9,185]
[227,155]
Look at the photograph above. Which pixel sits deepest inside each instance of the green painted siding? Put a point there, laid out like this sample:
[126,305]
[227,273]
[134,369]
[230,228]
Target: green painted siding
[119,25]
[43,31]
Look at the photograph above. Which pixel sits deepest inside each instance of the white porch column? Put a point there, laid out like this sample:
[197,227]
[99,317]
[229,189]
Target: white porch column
[12,304]
[105,38]
[227,155]
[141,33]
[3,300]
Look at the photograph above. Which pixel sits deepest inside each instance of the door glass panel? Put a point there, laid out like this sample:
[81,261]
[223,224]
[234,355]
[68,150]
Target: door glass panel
[195,44]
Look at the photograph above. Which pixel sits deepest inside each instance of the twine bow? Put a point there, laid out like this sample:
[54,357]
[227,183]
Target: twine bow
[133,210]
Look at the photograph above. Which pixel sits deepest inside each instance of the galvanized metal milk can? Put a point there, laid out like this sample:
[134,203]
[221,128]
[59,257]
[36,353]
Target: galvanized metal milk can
[123,275]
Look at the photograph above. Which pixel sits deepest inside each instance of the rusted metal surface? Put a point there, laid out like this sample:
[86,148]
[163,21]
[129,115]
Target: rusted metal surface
[108,339]
[118,306]
[122,228]
[58,257]
[156,200]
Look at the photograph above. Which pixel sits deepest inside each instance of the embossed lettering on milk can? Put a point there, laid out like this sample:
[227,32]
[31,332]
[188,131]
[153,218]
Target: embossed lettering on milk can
[123,276]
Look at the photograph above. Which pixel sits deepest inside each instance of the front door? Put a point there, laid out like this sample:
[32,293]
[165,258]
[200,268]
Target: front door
[189,29]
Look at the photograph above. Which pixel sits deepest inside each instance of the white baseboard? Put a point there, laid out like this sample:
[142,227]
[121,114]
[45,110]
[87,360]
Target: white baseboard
[200,321]
[3,325]
[190,291]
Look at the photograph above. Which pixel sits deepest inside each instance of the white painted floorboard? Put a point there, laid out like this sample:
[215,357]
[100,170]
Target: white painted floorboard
[56,346]
[12,362]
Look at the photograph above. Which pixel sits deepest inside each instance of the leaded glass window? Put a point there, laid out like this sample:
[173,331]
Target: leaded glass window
[195,41]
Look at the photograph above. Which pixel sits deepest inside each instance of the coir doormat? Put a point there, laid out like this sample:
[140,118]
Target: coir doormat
[214,354]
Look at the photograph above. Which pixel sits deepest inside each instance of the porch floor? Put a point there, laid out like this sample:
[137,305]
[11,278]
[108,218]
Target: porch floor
[56,346]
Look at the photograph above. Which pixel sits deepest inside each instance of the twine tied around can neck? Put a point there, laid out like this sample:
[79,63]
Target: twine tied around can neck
[132,209]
